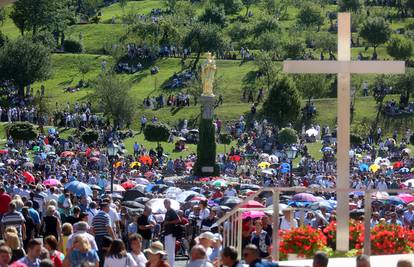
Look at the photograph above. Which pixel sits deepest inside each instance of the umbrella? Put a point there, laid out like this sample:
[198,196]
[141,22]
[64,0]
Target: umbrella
[140,188]
[253,214]
[145,160]
[398,165]
[407,150]
[11,161]
[249,186]
[184,196]
[29,177]
[374,167]
[311,132]
[364,167]
[95,187]
[142,181]
[94,159]
[408,182]
[220,183]
[380,195]
[79,188]
[134,164]
[235,158]
[3,151]
[132,204]
[404,170]
[157,205]
[28,165]
[116,196]
[51,182]
[382,161]
[326,149]
[148,174]
[172,192]
[264,165]
[67,154]
[128,185]
[304,197]
[36,148]
[264,155]
[252,204]
[273,159]
[407,198]
[117,164]
[281,208]
[230,201]
[142,200]
[198,198]
[269,171]
[395,200]
[116,187]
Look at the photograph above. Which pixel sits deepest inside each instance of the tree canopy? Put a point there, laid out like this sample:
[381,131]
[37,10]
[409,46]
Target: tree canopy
[311,15]
[400,48]
[376,31]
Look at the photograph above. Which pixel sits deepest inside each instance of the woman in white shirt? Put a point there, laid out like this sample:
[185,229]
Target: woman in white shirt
[135,242]
[118,256]
[288,221]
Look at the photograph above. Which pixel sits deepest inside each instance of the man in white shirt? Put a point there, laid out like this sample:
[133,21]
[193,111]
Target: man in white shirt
[52,195]
[230,192]
[382,185]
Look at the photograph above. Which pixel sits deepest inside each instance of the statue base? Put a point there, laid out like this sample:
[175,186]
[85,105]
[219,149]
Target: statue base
[207,106]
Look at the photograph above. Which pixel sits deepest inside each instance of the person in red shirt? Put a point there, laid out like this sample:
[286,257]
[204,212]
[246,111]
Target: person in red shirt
[217,194]
[5,200]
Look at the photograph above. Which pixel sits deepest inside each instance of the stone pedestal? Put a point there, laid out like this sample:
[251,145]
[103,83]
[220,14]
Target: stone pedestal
[207,106]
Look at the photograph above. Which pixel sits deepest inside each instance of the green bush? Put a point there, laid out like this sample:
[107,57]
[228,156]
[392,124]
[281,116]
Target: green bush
[225,139]
[89,137]
[157,132]
[72,46]
[21,131]
[287,136]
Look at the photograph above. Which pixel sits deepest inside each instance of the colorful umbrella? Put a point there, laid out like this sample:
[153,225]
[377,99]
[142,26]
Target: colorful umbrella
[79,188]
[407,198]
[264,165]
[67,154]
[134,164]
[128,185]
[235,158]
[94,159]
[304,197]
[395,200]
[364,167]
[404,170]
[409,182]
[254,214]
[29,177]
[220,183]
[117,188]
[145,160]
[118,164]
[398,165]
[157,205]
[252,204]
[3,151]
[374,167]
[141,181]
[51,182]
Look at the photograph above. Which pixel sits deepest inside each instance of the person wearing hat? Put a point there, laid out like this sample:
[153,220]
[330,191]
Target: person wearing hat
[206,239]
[217,247]
[288,222]
[155,254]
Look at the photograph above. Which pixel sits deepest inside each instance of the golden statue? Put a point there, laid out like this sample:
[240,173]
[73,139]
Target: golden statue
[208,69]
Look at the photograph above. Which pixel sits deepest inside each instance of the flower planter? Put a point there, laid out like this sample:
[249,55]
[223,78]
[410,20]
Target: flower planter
[294,257]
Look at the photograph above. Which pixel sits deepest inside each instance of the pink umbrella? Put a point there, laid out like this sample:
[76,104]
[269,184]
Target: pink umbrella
[94,159]
[304,197]
[407,198]
[149,174]
[252,204]
[51,182]
[253,214]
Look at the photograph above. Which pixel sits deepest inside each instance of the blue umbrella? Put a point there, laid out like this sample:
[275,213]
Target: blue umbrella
[327,148]
[364,167]
[404,170]
[395,200]
[284,167]
[149,187]
[79,188]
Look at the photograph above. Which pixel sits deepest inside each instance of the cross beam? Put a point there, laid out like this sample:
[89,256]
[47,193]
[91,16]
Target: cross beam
[343,67]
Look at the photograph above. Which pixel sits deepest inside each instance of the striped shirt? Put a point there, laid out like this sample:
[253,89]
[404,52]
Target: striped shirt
[14,219]
[100,223]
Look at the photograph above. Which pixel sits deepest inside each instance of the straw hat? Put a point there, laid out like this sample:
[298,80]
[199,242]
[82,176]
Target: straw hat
[206,235]
[156,248]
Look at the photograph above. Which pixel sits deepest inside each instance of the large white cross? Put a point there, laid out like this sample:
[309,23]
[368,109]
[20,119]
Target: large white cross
[343,67]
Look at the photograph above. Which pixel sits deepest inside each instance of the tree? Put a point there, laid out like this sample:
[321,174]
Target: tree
[287,136]
[171,4]
[24,63]
[326,42]
[22,131]
[400,48]
[267,68]
[158,132]
[311,15]
[376,31]
[312,86]
[123,4]
[405,85]
[214,14]
[3,40]
[266,24]
[248,3]
[294,48]
[88,137]
[204,37]
[115,98]
[350,5]
[90,7]
[282,105]
[231,7]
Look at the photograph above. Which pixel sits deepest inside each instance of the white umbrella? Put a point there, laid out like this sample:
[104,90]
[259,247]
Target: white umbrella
[182,197]
[382,161]
[264,156]
[269,171]
[281,208]
[407,150]
[273,159]
[142,181]
[117,188]
[312,132]
[157,205]
[173,192]
[410,181]
[140,188]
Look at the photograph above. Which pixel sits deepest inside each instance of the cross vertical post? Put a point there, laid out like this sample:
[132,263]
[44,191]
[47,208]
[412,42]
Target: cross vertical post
[343,133]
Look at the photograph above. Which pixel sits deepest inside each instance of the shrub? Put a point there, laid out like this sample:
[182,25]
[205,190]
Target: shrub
[22,131]
[89,137]
[287,136]
[157,132]
[72,46]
